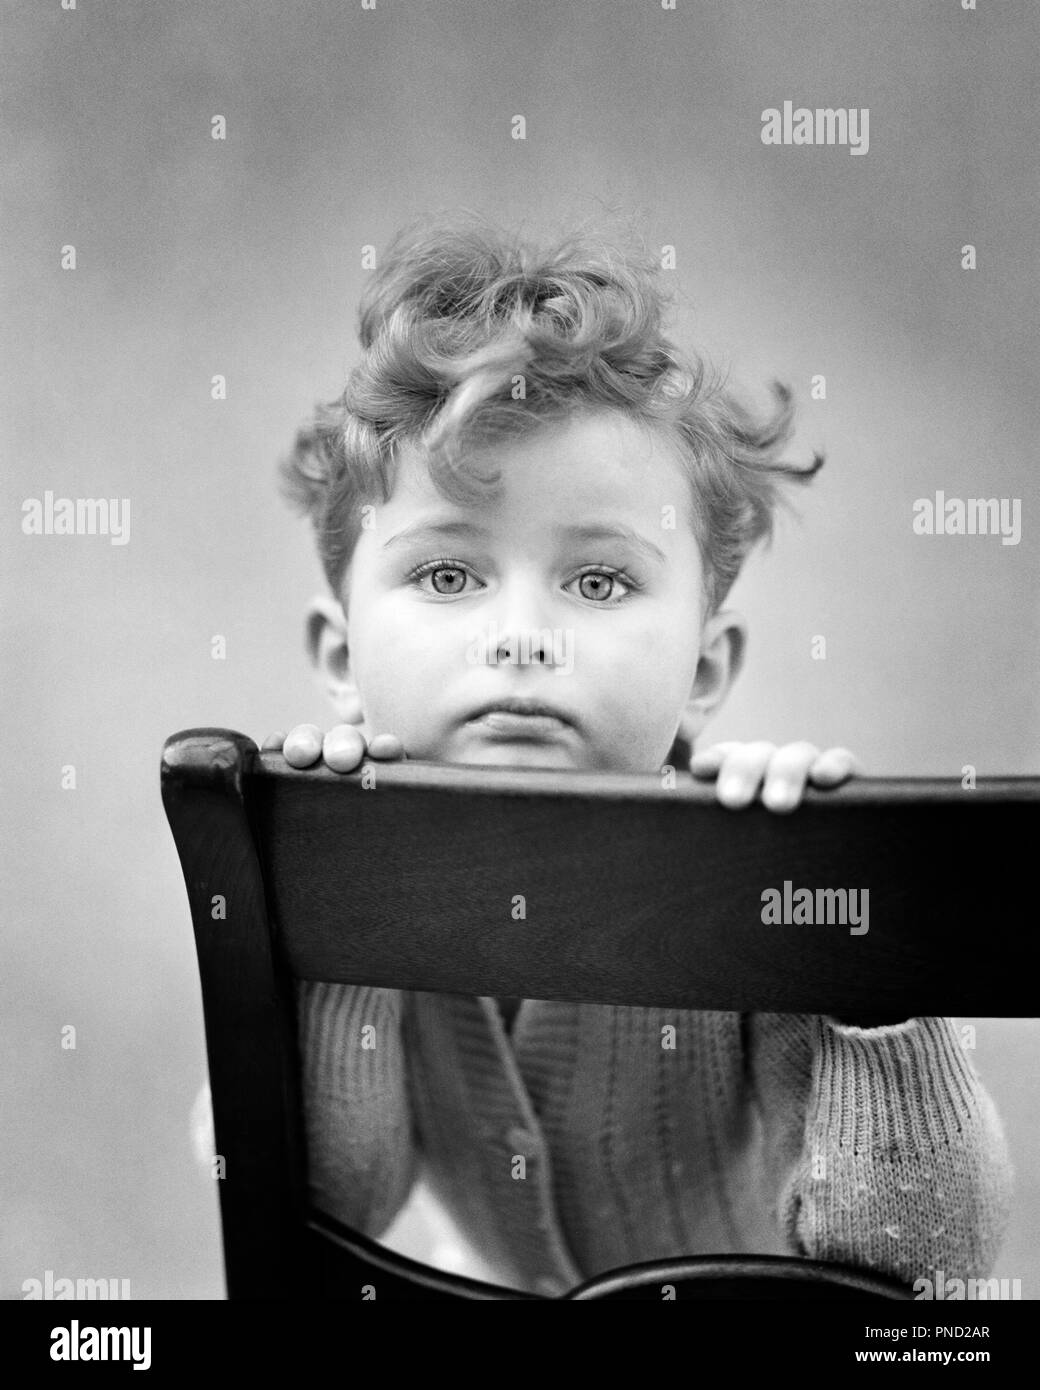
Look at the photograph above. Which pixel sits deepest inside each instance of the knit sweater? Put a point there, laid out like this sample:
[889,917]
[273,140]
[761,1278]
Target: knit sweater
[594,1136]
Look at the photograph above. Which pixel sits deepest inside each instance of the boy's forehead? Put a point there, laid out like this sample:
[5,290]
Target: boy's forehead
[604,459]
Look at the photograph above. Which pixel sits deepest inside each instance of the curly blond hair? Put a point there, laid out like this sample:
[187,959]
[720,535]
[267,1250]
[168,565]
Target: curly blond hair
[469,335]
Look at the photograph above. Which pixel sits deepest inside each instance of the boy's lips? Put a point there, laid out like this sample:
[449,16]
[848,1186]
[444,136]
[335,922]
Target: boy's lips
[521,717]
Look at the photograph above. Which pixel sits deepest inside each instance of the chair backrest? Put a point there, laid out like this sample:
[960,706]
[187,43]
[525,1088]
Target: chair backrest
[637,889]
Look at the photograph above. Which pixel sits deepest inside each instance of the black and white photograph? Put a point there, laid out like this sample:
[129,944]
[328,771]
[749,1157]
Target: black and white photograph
[520,663]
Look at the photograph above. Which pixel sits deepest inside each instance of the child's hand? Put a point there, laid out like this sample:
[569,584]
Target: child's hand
[343,747]
[740,768]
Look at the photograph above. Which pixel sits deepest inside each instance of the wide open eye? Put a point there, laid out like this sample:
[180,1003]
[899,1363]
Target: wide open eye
[454,583]
[600,585]
[447,577]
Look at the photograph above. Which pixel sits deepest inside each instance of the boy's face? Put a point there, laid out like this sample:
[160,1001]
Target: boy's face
[533,593]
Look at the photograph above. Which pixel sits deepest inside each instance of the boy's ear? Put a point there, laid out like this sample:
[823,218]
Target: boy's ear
[723,648]
[328,649]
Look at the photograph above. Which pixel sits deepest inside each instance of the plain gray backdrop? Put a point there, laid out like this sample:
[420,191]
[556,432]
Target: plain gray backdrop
[242,257]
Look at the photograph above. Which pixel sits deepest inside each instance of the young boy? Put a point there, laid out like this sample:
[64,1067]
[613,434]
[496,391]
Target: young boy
[523,464]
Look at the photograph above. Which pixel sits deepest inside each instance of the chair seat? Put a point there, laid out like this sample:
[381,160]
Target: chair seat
[740,1277]
[350,1262]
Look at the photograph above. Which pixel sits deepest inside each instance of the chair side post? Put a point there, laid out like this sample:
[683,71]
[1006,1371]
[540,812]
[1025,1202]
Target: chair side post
[250,1028]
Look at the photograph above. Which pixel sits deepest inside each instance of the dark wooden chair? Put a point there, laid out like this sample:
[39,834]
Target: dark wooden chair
[302,860]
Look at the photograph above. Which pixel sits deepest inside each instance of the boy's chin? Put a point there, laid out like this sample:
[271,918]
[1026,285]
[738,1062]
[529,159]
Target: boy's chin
[521,754]
[554,757]
[554,754]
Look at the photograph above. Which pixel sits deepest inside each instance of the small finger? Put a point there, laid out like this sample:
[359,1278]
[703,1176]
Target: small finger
[343,748]
[302,746]
[273,743]
[833,766]
[386,747]
[742,772]
[707,762]
[785,776]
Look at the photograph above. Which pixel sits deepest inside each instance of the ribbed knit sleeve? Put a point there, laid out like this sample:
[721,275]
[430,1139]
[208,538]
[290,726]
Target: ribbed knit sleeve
[884,1149]
[360,1154]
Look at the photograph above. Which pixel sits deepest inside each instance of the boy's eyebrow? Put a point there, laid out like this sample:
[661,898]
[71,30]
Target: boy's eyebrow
[589,532]
[436,531]
[616,531]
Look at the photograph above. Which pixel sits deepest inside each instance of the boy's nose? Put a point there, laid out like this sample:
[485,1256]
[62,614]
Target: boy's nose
[521,622]
[536,646]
